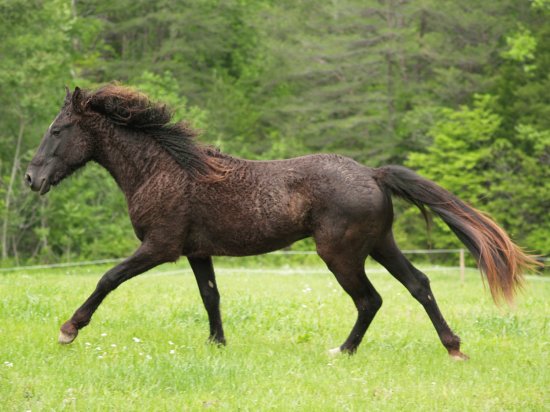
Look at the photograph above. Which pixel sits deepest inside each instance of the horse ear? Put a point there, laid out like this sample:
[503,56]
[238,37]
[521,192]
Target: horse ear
[76,97]
[67,95]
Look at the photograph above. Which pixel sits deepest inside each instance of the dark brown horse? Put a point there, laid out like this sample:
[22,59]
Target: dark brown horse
[190,200]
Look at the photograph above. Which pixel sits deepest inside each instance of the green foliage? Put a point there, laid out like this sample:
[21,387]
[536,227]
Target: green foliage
[520,186]
[462,142]
[541,4]
[164,88]
[470,158]
[87,220]
[356,69]
[37,51]
[458,90]
[521,48]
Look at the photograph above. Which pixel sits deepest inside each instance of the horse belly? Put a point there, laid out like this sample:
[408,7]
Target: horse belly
[242,240]
[259,230]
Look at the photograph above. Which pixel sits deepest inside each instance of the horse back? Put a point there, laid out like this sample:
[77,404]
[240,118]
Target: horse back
[266,205]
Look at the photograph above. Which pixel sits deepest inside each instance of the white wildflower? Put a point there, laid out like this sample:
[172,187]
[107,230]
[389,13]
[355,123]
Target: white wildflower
[137,340]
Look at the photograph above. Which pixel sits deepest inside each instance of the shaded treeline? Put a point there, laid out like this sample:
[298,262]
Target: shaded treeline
[455,90]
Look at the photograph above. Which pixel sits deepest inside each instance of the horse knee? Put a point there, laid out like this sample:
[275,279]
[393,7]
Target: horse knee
[370,304]
[106,284]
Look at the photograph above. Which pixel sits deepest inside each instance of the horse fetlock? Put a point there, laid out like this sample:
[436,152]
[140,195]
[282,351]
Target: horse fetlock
[451,342]
[349,349]
[216,340]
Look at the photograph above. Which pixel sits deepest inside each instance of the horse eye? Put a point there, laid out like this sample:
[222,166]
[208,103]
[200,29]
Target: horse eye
[56,132]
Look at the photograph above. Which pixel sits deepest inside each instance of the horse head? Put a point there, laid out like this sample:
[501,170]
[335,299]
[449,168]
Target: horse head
[64,148]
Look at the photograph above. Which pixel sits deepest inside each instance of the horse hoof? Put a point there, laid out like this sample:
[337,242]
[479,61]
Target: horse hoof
[458,356]
[217,341]
[66,338]
[335,351]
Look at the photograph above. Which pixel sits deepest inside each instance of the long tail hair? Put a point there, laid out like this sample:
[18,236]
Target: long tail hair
[500,259]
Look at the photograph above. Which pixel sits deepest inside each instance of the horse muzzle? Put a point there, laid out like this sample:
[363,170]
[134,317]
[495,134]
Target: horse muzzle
[38,182]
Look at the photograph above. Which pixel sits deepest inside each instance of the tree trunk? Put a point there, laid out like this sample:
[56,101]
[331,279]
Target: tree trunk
[75,40]
[7,201]
[390,91]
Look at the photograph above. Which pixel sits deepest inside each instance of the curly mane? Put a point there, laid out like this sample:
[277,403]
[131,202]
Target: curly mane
[132,109]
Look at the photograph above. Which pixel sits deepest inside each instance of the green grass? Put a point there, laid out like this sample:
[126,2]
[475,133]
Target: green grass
[279,328]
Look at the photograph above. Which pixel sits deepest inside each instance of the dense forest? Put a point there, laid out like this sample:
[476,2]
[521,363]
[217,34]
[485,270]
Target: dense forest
[457,90]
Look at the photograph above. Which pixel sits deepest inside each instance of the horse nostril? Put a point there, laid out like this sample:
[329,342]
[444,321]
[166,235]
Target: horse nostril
[28,179]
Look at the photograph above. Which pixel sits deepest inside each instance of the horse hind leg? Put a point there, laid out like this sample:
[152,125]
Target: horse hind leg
[418,284]
[350,274]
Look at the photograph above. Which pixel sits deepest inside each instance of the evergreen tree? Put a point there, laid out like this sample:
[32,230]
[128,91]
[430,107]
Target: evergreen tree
[508,177]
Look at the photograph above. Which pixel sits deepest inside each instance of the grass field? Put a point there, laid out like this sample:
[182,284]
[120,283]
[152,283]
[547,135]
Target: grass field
[146,349]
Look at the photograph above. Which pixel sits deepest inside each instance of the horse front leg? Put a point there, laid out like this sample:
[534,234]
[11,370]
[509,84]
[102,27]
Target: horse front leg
[146,257]
[206,280]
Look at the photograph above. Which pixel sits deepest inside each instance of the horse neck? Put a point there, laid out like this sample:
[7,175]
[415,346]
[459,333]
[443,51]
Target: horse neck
[129,158]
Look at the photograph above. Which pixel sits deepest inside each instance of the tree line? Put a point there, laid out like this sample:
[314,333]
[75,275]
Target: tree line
[455,90]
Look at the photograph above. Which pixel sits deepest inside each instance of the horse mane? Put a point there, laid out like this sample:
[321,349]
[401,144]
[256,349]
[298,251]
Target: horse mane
[129,108]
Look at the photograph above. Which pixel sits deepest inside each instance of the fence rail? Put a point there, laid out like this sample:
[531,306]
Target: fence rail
[461,259]
[279,252]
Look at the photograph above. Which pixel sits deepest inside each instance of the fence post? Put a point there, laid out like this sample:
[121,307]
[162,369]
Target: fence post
[461,264]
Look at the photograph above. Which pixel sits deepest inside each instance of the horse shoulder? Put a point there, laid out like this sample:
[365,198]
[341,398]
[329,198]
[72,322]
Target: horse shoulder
[159,204]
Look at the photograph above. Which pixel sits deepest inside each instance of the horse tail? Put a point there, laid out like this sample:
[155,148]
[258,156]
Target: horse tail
[501,261]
